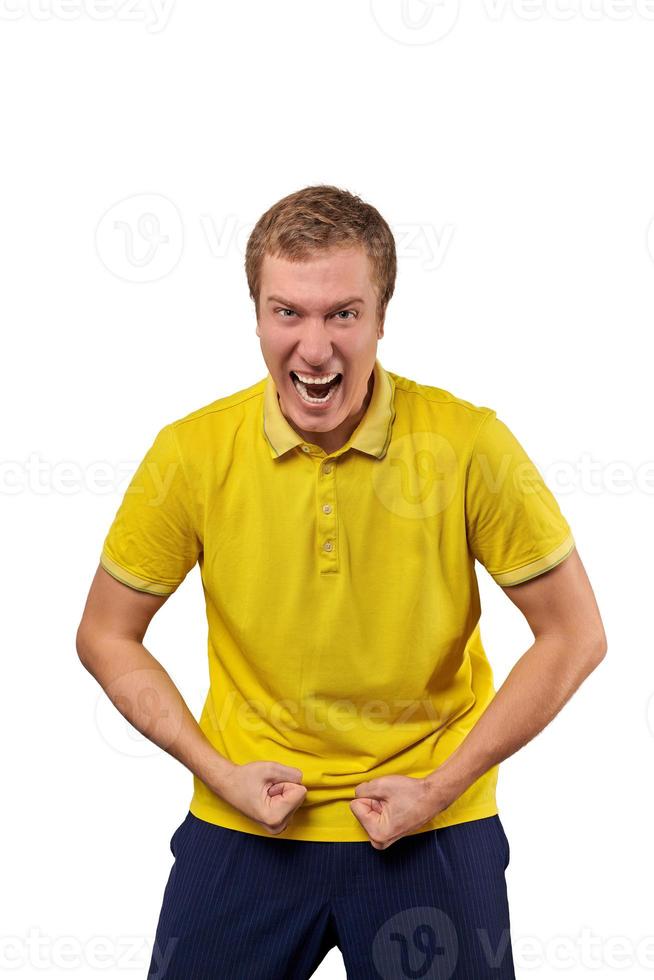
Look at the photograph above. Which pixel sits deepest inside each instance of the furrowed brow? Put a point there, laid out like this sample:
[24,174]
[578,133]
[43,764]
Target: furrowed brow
[295,306]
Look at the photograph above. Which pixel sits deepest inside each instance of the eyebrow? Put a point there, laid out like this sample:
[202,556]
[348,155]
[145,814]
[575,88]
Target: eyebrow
[337,306]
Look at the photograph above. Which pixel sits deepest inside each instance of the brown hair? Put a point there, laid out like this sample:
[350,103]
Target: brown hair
[318,218]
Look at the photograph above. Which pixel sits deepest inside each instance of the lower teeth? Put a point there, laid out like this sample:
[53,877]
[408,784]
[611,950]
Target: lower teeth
[304,394]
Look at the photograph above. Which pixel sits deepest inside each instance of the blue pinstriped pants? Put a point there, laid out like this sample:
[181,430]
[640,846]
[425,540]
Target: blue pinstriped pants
[240,906]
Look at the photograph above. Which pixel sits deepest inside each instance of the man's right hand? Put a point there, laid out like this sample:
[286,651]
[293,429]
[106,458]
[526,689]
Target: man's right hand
[267,792]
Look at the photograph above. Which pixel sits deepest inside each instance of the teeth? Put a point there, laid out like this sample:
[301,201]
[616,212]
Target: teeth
[308,380]
[303,392]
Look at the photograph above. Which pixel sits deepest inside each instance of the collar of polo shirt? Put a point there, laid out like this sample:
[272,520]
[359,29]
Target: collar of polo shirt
[372,435]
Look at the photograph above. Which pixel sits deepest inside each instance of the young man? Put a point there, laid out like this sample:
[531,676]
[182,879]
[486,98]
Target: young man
[346,758]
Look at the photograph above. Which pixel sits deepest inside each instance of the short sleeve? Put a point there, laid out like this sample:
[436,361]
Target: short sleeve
[152,543]
[514,525]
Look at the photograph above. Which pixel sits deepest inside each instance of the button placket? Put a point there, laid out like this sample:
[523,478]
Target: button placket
[327,542]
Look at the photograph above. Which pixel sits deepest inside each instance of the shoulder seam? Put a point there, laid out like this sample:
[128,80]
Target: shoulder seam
[452,399]
[208,410]
[491,412]
[194,522]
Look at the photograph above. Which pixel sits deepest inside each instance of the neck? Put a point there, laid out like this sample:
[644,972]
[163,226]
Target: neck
[333,440]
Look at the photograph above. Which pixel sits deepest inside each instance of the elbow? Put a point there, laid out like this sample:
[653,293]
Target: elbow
[83,645]
[597,649]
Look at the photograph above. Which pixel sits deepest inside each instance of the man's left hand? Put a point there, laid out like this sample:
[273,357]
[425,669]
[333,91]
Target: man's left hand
[391,806]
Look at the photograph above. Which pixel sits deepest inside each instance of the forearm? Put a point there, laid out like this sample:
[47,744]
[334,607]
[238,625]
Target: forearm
[144,693]
[538,686]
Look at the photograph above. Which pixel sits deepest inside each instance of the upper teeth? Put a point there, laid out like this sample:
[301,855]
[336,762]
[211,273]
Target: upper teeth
[308,380]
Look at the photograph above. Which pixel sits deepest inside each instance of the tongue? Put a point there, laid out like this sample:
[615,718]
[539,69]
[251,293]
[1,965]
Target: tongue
[319,391]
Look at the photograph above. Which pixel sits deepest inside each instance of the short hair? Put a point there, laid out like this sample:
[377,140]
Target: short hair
[316,219]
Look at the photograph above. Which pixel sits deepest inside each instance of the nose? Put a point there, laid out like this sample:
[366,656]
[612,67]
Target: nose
[315,345]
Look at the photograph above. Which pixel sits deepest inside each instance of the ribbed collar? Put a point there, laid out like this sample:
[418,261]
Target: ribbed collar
[372,435]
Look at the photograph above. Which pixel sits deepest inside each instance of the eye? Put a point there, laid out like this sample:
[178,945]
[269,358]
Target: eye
[285,311]
[345,314]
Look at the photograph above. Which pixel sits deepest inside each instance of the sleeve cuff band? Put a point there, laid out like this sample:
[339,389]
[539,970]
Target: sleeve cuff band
[134,581]
[537,567]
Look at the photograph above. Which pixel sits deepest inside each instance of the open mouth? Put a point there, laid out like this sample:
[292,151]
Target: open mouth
[316,394]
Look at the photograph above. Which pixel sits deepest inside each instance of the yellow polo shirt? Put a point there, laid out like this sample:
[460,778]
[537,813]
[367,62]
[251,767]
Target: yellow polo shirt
[341,594]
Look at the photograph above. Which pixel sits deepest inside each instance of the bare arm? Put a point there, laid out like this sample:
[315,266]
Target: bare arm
[570,642]
[110,645]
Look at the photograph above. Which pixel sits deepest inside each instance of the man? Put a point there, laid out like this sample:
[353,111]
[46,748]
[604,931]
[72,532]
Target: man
[346,758]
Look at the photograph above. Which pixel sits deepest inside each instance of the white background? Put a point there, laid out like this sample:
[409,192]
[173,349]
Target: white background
[510,148]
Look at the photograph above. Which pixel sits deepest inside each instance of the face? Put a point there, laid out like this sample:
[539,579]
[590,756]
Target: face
[318,318]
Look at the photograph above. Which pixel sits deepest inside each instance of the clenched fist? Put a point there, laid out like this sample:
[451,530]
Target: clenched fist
[390,807]
[267,792]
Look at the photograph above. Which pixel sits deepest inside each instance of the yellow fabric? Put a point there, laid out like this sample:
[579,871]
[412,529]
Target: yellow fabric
[341,594]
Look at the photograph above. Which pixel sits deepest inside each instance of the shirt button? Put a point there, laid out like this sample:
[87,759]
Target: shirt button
[327,508]
[327,468]
[305,449]
[328,545]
